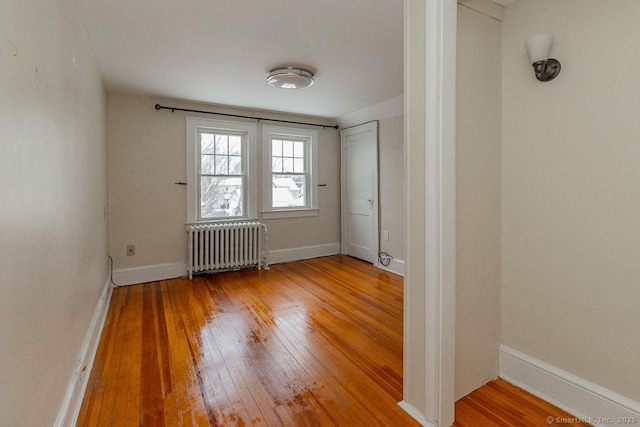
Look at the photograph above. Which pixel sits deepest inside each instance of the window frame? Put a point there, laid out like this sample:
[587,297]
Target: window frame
[195,126]
[310,139]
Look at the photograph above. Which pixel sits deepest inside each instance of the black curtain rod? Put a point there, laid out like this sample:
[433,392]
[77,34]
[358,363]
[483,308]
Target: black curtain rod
[160,107]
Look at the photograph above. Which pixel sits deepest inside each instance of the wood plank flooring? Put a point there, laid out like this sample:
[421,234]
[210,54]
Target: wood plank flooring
[500,404]
[310,343]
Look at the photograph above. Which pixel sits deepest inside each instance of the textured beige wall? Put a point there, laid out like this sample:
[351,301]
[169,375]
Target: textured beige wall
[571,191]
[478,134]
[325,228]
[147,156]
[53,200]
[391,160]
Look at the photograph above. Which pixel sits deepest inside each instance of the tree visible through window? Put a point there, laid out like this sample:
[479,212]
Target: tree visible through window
[221,175]
[221,170]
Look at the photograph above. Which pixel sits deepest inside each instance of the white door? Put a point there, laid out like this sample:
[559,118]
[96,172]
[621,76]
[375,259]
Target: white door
[360,192]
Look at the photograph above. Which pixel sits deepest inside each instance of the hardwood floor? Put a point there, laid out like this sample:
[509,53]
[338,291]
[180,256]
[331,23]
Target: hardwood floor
[500,404]
[311,343]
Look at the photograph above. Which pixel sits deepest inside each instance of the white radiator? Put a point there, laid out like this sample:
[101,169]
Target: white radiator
[226,246]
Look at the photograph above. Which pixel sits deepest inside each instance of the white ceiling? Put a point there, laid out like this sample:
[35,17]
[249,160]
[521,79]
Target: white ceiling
[218,51]
[503,2]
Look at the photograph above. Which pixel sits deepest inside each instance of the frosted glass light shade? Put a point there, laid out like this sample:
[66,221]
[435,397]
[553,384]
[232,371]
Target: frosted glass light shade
[538,47]
[290,78]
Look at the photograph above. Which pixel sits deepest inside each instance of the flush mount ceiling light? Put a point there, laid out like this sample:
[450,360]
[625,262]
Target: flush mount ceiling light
[290,78]
[538,48]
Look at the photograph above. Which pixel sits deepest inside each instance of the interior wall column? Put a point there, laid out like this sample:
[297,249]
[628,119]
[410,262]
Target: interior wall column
[429,337]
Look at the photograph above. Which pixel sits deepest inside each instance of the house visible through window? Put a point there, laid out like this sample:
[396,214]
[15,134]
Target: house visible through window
[221,175]
[288,173]
[290,183]
[220,169]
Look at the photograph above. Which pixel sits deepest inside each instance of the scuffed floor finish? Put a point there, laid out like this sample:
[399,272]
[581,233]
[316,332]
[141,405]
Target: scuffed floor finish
[310,343]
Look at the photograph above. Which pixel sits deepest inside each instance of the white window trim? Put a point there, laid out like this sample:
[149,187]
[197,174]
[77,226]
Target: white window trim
[268,212]
[249,157]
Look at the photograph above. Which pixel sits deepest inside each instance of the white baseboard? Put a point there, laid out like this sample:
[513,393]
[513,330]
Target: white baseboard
[415,414]
[149,273]
[395,266]
[70,409]
[583,399]
[304,252]
[152,273]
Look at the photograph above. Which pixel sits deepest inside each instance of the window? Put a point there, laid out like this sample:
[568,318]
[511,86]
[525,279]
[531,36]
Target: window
[289,172]
[220,170]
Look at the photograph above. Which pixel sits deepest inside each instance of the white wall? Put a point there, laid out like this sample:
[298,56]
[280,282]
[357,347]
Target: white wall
[414,154]
[478,136]
[478,198]
[429,319]
[571,191]
[391,179]
[53,200]
[390,118]
[147,156]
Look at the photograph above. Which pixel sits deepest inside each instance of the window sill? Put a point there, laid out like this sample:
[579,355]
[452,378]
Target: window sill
[221,220]
[289,213]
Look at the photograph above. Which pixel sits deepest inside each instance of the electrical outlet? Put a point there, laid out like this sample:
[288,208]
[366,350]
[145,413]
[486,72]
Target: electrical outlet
[385,235]
[131,250]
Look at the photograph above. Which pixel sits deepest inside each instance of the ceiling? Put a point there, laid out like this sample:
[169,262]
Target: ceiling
[219,51]
[503,2]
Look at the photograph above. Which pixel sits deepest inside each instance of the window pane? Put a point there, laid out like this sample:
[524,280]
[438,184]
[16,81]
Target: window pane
[287,148]
[298,149]
[206,143]
[288,191]
[287,165]
[298,165]
[207,164]
[222,144]
[220,196]
[222,166]
[235,145]
[276,164]
[235,165]
[276,147]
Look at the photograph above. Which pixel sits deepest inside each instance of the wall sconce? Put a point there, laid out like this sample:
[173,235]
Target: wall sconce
[538,48]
